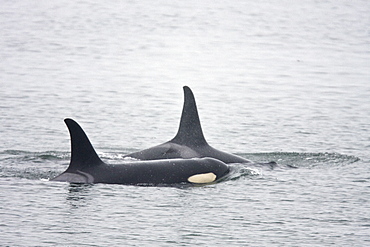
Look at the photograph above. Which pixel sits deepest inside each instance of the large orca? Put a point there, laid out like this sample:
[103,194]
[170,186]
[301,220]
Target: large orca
[86,167]
[189,141]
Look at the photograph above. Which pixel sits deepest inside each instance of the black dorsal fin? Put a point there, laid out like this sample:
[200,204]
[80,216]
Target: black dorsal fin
[190,131]
[83,154]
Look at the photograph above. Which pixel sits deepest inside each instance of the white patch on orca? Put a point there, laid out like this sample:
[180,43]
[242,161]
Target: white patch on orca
[89,178]
[202,178]
[188,153]
[71,177]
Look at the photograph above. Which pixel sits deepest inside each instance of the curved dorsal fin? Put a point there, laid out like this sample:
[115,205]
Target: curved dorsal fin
[190,131]
[83,154]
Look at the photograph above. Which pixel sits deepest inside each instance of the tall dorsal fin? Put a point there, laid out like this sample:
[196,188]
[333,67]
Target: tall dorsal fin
[83,154]
[190,131]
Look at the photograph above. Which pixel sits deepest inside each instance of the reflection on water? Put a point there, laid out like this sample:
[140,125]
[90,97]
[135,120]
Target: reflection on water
[79,195]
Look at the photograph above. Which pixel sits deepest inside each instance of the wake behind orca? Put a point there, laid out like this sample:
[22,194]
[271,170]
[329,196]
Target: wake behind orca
[189,141]
[86,167]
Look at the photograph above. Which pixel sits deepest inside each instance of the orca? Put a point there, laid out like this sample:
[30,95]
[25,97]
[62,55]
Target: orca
[86,167]
[189,141]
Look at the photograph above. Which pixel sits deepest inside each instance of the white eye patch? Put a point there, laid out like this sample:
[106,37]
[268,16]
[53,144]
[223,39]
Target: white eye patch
[202,178]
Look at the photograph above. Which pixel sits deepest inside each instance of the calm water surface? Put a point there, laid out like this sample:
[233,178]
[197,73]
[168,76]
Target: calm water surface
[285,82]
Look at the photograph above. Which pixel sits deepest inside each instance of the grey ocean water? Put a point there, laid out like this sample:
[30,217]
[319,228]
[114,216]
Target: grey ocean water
[286,81]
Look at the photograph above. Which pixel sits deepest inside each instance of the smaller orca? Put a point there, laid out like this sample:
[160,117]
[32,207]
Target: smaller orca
[189,141]
[86,167]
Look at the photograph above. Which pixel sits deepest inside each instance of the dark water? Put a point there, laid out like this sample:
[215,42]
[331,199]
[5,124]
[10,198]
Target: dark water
[285,82]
